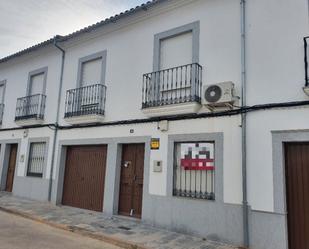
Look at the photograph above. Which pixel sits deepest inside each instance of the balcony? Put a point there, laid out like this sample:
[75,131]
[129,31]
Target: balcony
[172,91]
[30,110]
[85,104]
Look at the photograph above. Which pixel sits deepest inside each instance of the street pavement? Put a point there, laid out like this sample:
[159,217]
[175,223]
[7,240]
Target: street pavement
[120,231]
[20,233]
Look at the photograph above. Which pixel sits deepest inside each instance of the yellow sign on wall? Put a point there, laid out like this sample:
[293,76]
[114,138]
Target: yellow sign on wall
[155,143]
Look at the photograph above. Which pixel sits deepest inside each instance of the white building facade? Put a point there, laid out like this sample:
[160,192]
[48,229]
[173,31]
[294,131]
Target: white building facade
[112,118]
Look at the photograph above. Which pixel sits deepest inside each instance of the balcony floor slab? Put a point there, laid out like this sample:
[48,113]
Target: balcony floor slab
[85,119]
[175,109]
[29,122]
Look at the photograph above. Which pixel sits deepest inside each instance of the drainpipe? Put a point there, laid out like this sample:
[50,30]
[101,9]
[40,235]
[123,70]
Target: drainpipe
[244,125]
[306,61]
[56,39]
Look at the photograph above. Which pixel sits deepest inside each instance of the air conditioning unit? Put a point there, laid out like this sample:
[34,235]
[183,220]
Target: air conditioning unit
[219,95]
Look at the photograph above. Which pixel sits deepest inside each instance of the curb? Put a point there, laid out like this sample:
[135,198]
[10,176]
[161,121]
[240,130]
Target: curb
[77,230]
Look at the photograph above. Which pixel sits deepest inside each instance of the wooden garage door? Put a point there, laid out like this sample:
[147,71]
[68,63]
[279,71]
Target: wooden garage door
[131,180]
[84,177]
[297,189]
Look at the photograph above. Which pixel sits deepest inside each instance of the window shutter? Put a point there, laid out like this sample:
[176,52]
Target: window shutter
[91,72]
[36,84]
[176,51]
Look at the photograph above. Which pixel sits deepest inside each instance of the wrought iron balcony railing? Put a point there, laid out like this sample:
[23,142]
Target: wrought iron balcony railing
[176,85]
[30,107]
[85,101]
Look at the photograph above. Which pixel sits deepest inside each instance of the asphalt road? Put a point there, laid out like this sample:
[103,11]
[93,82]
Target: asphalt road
[20,233]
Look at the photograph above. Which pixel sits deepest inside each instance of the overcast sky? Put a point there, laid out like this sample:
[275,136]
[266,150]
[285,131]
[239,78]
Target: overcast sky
[24,23]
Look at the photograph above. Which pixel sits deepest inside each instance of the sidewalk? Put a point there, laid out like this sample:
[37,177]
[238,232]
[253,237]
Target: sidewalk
[119,231]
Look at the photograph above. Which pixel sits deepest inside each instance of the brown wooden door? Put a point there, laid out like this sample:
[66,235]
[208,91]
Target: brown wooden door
[85,177]
[11,168]
[297,191]
[131,180]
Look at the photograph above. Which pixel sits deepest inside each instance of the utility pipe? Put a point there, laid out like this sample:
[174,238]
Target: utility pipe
[244,124]
[306,60]
[228,113]
[56,126]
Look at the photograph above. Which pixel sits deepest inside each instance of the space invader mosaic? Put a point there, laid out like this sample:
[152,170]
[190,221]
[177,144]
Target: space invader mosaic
[197,152]
[197,156]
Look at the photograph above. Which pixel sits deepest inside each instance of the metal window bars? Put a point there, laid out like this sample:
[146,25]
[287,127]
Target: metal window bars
[36,159]
[194,170]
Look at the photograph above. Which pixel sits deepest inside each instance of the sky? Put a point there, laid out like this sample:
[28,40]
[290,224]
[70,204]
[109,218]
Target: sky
[24,23]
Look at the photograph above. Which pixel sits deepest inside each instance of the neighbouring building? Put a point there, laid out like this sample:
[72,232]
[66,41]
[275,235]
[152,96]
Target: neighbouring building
[142,115]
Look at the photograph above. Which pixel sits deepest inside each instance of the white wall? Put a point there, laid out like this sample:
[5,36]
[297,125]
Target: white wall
[275,74]
[158,181]
[16,73]
[130,53]
[275,50]
[21,165]
[129,56]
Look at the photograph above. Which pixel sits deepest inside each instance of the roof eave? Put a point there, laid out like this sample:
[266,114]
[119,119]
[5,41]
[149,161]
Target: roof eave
[90,28]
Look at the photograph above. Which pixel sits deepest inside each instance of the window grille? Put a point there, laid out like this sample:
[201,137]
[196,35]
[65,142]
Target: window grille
[194,170]
[36,159]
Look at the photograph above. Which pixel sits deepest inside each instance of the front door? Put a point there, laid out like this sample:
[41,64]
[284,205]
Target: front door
[11,168]
[131,180]
[297,189]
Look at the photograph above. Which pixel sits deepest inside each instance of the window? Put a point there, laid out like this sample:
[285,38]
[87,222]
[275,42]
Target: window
[36,159]
[37,81]
[194,170]
[2,91]
[177,47]
[176,51]
[91,72]
[91,69]
[36,84]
